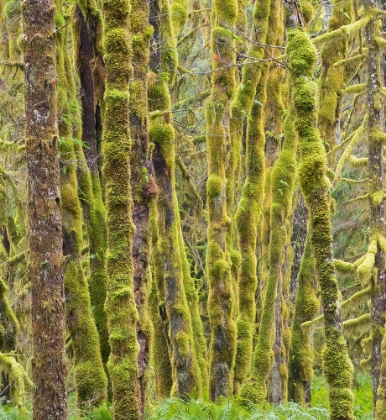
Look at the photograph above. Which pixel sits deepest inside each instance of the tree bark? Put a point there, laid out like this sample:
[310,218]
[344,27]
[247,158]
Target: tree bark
[143,184]
[45,220]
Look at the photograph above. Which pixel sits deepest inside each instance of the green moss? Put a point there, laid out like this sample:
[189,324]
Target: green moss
[365,269]
[9,324]
[215,186]
[192,299]
[179,15]
[343,266]
[164,137]
[20,382]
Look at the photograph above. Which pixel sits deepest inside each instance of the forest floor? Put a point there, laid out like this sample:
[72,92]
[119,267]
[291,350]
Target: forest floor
[175,409]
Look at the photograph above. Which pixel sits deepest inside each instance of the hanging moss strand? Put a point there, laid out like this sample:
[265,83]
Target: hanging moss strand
[160,355]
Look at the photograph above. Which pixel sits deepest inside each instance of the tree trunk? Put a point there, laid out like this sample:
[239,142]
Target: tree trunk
[221,287]
[120,302]
[45,220]
[249,209]
[87,31]
[315,187]
[142,183]
[170,253]
[376,140]
[90,378]
[301,355]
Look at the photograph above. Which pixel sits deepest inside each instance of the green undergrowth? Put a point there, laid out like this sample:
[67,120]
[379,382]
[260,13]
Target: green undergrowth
[228,409]
[363,395]
[8,412]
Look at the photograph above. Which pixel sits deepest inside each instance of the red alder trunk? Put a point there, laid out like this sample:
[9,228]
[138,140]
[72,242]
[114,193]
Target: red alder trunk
[45,220]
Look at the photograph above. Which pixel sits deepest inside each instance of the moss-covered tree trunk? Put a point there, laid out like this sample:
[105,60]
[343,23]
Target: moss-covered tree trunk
[163,380]
[376,140]
[218,262]
[87,30]
[249,208]
[333,77]
[278,379]
[142,182]
[45,220]
[306,305]
[90,378]
[120,303]
[160,348]
[182,348]
[282,185]
[315,187]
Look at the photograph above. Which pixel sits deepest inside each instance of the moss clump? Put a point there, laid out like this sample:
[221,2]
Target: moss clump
[179,15]
[215,186]
[21,384]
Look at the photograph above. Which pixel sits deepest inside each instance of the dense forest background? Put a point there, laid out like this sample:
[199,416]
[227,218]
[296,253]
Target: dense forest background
[191,205]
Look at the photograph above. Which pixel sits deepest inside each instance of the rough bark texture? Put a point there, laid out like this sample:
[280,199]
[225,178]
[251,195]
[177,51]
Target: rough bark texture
[142,182]
[376,139]
[45,220]
[120,303]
